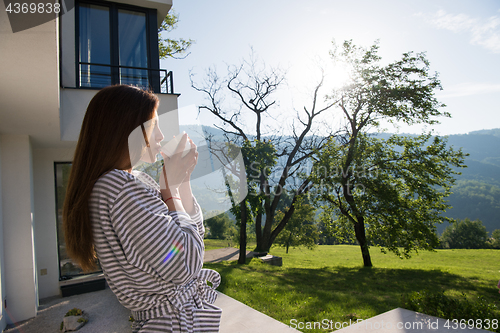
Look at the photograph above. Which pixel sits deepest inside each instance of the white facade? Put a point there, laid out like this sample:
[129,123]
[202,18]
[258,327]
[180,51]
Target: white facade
[39,125]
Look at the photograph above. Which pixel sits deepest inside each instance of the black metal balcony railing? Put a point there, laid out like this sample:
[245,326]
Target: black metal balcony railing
[94,75]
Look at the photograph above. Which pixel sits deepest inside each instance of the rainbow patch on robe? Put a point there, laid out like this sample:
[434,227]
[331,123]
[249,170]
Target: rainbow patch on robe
[174,249]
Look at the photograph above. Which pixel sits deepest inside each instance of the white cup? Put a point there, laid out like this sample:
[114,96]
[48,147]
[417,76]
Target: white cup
[170,147]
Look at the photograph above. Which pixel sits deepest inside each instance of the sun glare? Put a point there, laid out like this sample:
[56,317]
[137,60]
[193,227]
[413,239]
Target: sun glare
[339,76]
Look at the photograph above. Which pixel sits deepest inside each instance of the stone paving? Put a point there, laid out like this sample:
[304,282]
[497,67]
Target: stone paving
[225,254]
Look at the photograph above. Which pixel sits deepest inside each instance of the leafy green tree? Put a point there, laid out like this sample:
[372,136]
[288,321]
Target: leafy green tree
[168,47]
[301,229]
[465,234]
[219,226]
[390,192]
[332,230]
[495,239]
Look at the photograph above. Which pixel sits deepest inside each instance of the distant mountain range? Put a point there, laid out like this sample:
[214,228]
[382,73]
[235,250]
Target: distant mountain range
[476,194]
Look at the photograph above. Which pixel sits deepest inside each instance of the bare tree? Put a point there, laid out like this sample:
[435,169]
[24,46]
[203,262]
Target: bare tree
[245,100]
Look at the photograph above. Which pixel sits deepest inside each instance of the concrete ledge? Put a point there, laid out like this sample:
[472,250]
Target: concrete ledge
[82,278]
[238,317]
[82,284]
[401,320]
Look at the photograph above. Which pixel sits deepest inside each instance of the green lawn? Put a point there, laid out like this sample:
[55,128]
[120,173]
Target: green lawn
[212,244]
[329,282]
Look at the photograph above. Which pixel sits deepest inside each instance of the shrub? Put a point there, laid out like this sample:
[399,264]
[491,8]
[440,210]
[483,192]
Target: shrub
[465,234]
[494,241]
[439,305]
[220,227]
[73,312]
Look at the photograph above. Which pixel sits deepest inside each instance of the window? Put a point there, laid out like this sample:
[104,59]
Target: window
[94,46]
[133,47]
[117,44]
[67,267]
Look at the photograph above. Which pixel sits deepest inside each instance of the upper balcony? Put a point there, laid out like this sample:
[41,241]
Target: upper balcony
[110,42]
[96,76]
[105,43]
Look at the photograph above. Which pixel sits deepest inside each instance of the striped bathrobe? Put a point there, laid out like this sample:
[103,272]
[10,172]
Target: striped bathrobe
[151,257]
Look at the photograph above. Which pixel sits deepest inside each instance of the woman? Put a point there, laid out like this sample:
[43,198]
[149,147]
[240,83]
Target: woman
[149,240]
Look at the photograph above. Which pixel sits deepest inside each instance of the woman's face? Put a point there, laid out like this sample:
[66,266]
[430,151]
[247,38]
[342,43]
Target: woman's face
[155,136]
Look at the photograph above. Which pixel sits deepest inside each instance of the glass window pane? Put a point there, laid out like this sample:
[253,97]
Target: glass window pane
[133,47]
[67,267]
[94,46]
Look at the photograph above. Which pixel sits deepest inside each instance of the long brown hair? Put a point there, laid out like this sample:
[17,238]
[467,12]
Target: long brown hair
[111,116]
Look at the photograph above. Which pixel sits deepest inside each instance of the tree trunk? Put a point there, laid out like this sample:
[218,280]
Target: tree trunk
[359,229]
[243,233]
[258,230]
[265,244]
[288,242]
[264,234]
[359,222]
[267,239]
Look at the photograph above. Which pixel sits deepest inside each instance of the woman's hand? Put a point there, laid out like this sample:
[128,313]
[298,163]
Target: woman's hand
[193,146]
[185,188]
[175,186]
[178,169]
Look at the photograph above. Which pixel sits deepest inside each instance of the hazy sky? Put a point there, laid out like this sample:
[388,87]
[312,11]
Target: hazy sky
[461,39]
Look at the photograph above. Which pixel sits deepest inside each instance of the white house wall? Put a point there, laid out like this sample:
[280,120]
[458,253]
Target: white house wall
[29,117]
[74,104]
[18,219]
[3,321]
[29,85]
[169,115]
